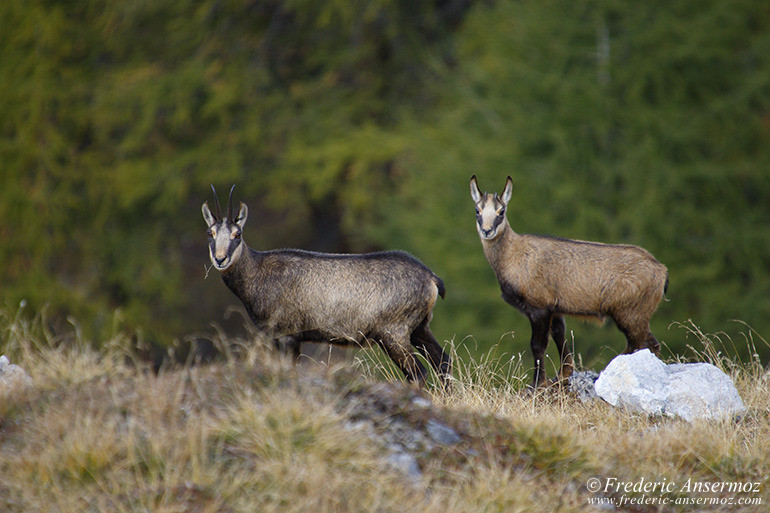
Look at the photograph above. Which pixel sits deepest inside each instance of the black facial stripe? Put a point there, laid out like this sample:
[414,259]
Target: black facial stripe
[498,220]
[218,230]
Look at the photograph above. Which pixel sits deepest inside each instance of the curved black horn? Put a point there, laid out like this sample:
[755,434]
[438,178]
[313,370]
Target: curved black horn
[216,198]
[230,204]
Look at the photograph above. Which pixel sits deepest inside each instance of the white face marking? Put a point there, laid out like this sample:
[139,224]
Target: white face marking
[490,209]
[225,244]
[490,217]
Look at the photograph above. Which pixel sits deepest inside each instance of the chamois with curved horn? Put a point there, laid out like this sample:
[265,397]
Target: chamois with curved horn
[294,295]
[549,277]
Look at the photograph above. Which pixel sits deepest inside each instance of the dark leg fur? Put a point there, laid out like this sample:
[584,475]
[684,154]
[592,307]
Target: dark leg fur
[423,340]
[639,338]
[541,323]
[288,344]
[652,343]
[413,370]
[558,330]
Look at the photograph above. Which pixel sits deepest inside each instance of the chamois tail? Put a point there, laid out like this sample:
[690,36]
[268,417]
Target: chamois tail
[440,285]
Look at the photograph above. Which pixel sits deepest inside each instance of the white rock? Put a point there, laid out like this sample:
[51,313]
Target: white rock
[12,376]
[700,390]
[636,381]
[642,382]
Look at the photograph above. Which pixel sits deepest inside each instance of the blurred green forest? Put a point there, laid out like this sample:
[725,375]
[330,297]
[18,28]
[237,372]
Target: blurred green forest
[355,126]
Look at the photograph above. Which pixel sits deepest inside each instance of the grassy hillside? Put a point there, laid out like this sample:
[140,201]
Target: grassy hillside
[99,431]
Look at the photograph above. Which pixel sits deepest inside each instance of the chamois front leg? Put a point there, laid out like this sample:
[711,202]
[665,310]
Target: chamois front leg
[541,322]
[558,329]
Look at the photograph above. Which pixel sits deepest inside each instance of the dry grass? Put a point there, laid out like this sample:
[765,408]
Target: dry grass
[98,431]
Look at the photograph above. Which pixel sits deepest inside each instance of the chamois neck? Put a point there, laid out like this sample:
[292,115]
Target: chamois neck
[241,268]
[498,247]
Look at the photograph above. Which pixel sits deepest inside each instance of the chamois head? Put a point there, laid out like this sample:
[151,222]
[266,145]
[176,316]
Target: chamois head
[490,209]
[225,242]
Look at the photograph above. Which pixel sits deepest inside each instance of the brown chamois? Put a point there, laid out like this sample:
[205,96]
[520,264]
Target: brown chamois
[548,277]
[293,295]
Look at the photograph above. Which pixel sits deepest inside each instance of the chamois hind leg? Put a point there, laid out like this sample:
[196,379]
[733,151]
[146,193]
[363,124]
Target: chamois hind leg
[397,348]
[650,342]
[423,340]
[638,335]
[558,330]
[541,322]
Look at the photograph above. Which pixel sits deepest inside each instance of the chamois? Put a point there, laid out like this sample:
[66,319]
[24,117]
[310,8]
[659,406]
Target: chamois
[548,277]
[293,295]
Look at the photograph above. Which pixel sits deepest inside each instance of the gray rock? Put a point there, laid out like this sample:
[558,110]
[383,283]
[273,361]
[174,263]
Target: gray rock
[642,382]
[582,384]
[405,463]
[421,402]
[441,434]
[403,422]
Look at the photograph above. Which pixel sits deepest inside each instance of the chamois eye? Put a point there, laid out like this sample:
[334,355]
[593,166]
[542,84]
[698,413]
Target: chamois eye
[478,211]
[237,235]
[501,212]
[210,233]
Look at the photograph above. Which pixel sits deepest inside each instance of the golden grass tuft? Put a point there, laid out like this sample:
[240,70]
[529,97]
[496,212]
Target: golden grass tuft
[99,431]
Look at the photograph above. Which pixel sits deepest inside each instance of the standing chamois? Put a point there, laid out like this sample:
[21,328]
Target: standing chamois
[294,295]
[548,277]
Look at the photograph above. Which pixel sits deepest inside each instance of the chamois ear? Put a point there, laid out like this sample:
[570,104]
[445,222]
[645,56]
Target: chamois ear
[507,191]
[243,214]
[475,192]
[207,215]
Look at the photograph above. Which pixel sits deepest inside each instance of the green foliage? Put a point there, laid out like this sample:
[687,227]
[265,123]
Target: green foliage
[620,123]
[351,126]
[119,115]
